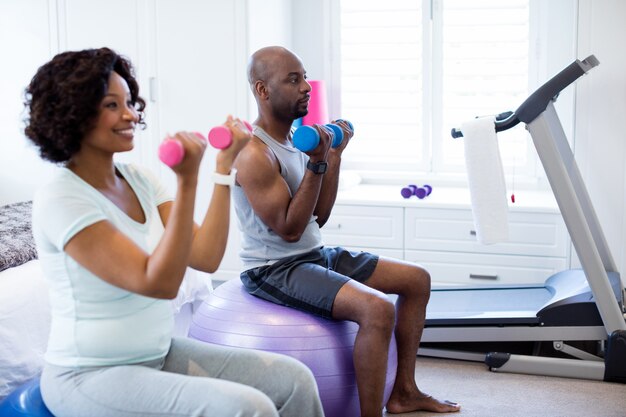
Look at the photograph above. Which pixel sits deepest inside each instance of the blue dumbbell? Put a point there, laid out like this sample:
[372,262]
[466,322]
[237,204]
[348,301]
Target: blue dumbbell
[306,138]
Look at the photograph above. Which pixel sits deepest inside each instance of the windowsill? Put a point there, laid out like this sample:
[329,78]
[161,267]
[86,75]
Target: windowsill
[441,197]
[454,180]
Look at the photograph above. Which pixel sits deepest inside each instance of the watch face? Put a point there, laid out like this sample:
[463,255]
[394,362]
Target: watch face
[318,167]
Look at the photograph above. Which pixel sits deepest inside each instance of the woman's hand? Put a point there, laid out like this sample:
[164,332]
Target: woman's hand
[194,146]
[240,136]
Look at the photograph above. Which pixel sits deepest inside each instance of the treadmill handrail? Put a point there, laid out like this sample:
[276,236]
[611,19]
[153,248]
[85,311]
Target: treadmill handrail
[538,101]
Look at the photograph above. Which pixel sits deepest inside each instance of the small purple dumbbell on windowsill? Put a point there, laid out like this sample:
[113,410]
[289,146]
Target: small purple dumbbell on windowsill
[414,190]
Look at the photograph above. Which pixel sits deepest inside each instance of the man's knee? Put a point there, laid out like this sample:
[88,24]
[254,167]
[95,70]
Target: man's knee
[422,280]
[381,312]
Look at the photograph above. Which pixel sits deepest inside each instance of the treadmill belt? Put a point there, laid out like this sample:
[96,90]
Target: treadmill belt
[486,306]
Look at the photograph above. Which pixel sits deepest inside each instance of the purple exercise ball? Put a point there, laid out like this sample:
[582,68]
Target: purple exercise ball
[232,317]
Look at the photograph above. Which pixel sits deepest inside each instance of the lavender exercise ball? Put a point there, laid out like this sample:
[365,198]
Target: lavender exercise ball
[232,317]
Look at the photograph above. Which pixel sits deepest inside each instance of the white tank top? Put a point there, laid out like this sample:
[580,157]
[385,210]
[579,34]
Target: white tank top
[260,244]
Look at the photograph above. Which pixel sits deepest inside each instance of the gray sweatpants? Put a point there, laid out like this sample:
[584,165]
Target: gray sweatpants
[194,379]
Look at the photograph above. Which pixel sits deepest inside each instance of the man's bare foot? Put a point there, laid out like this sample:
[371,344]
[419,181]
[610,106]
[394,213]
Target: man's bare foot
[421,402]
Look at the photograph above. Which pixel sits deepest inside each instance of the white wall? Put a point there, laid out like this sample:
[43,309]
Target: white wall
[269,23]
[303,26]
[600,143]
[313,22]
[23,49]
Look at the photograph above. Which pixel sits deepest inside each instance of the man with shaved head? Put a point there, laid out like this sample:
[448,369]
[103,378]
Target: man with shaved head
[283,199]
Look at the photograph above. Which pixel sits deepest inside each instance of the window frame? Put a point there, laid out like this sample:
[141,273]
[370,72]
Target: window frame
[542,65]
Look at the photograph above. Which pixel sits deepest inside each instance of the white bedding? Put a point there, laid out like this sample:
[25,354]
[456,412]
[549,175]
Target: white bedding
[24,324]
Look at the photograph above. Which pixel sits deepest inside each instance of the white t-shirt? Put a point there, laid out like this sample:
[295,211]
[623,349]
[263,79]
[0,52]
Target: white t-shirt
[95,323]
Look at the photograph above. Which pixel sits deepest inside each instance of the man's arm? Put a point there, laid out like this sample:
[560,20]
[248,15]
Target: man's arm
[328,192]
[258,173]
[330,184]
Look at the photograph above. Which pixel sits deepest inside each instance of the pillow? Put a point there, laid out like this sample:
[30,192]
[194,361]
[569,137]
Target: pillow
[17,245]
[24,324]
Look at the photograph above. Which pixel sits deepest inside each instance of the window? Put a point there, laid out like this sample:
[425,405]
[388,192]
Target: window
[382,82]
[411,70]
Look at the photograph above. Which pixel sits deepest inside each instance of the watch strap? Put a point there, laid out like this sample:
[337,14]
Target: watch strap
[317,167]
[222,179]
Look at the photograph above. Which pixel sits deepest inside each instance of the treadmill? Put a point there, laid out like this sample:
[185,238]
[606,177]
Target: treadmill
[573,307]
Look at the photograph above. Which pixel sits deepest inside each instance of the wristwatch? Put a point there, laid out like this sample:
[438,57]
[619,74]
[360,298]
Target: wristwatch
[317,167]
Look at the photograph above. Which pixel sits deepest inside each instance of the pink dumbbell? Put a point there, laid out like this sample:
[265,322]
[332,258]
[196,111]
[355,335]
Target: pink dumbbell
[171,151]
[220,137]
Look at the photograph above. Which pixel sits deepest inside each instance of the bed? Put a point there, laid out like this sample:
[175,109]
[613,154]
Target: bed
[24,305]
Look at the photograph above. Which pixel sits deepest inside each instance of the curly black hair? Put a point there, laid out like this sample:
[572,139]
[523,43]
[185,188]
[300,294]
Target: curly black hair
[63,99]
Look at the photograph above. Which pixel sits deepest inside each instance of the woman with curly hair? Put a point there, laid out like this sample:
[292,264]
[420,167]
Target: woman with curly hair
[114,248]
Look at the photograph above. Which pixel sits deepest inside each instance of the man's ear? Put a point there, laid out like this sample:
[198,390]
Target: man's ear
[261,89]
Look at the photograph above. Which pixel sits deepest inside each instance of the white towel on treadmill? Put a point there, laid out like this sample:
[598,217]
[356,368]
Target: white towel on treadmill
[486,180]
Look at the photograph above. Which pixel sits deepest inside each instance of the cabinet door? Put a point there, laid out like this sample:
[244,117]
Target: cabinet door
[200,75]
[201,61]
[116,24]
[121,25]
[364,226]
[530,233]
[387,253]
[484,269]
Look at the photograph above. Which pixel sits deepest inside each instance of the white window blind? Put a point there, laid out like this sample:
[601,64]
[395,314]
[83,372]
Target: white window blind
[410,70]
[482,70]
[382,61]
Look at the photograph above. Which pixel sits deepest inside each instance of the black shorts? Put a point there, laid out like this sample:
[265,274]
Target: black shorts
[309,281]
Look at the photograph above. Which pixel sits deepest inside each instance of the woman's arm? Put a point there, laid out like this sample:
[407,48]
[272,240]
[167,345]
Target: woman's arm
[211,237]
[108,253]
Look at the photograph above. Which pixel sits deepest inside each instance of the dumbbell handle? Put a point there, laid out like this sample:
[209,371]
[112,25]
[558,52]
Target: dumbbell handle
[172,152]
[306,138]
